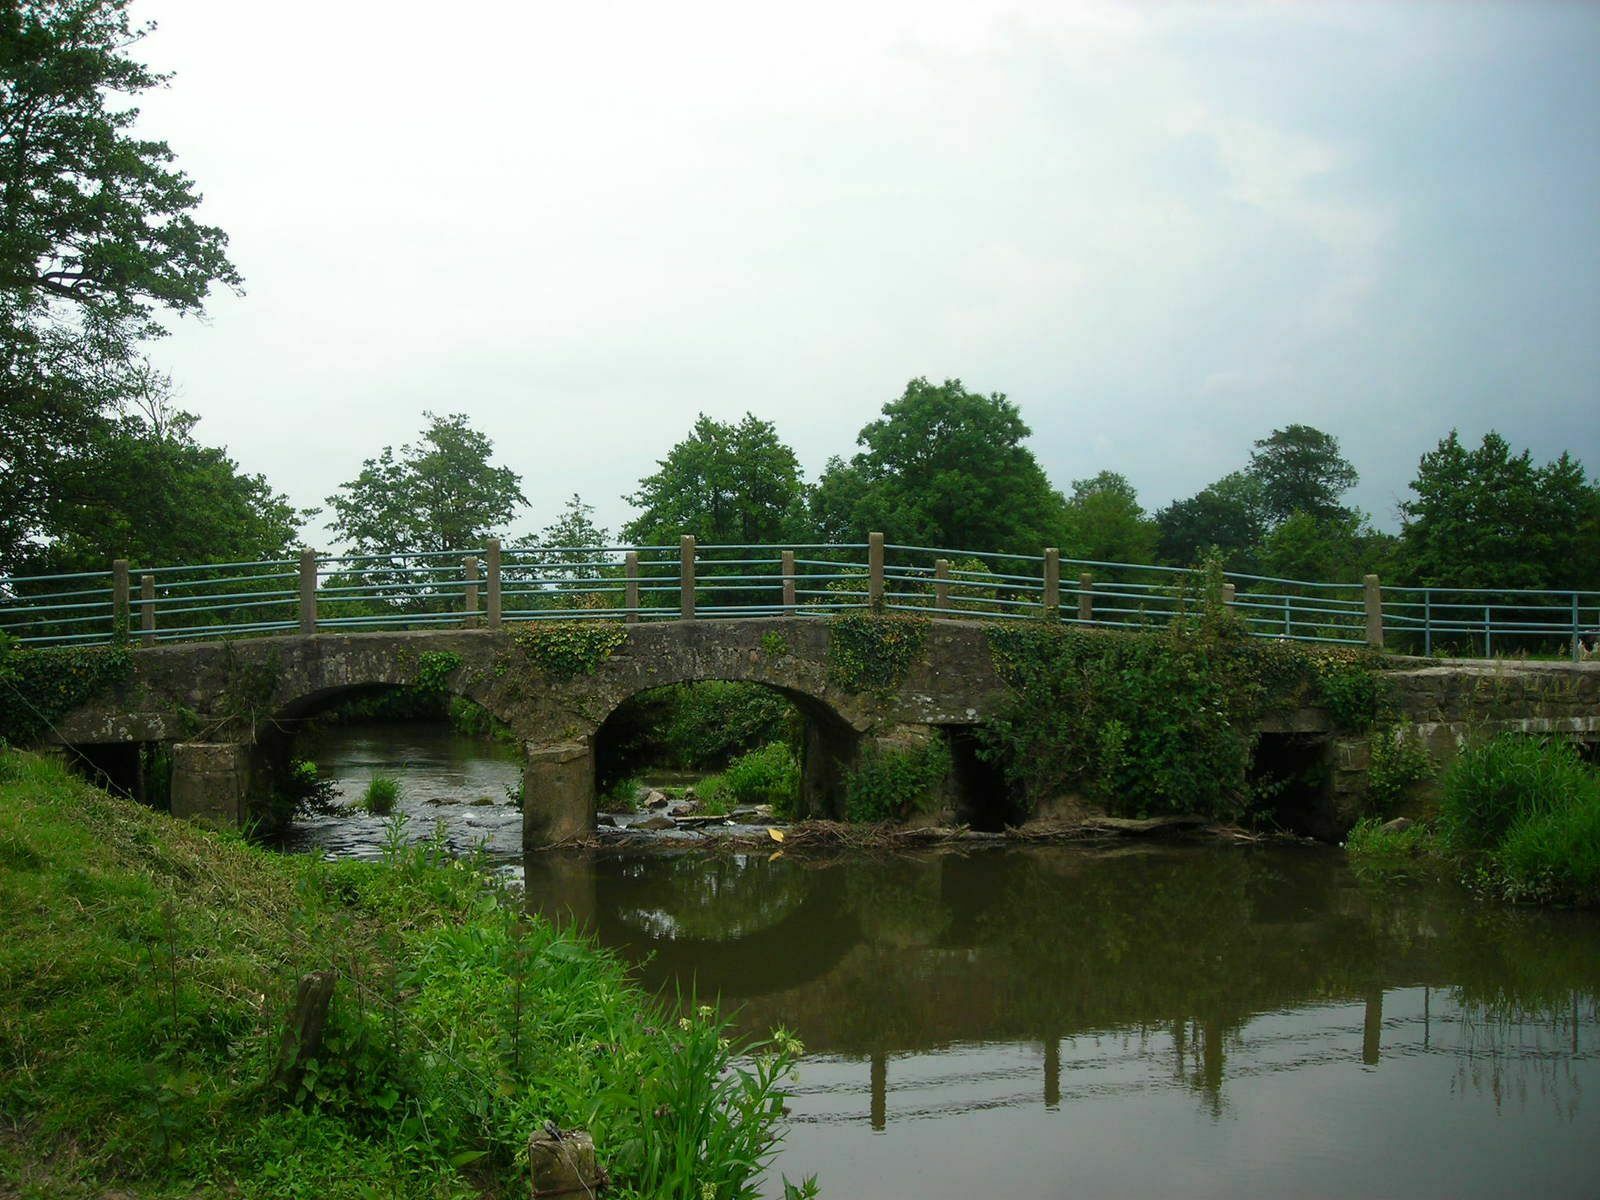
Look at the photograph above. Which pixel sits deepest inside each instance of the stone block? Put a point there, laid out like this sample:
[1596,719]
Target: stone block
[211,782]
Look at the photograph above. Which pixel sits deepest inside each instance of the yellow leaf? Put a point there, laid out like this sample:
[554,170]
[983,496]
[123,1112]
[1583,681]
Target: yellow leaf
[775,834]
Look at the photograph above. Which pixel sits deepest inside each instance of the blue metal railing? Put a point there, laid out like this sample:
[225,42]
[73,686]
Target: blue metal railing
[490,584]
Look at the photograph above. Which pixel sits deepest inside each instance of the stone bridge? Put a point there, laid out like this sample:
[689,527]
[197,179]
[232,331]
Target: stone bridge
[229,708]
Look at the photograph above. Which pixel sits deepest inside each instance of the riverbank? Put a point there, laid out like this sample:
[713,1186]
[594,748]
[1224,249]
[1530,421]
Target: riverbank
[148,969]
[1517,818]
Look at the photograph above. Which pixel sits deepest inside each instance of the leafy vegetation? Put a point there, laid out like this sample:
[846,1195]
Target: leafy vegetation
[40,686]
[381,794]
[768,775]
[1399,763]
[1153,723]
[891,784]
[1519,817]
[148,967]
[868,653]
[568,649]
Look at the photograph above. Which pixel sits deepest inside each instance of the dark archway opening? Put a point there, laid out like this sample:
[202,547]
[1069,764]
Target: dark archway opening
[344,763]
[142,770]
[723,745]
[1290,777]
[984,800]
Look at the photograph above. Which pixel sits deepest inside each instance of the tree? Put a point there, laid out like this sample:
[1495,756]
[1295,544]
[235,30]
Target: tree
[1229,514]
[143,489]
[97,235]
[724,483]
[1300,469]
[570,540]
[439,493]
[943,467]
[1491,518]
[1332,549]
[1105,522]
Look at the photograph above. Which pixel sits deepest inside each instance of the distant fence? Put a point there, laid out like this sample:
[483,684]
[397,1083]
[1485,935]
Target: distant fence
[489,585]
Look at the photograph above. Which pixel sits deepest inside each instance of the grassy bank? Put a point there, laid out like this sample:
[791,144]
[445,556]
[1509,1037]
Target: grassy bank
[147,969]
[1518,817]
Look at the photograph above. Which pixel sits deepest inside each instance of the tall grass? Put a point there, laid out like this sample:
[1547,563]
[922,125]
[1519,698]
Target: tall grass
[1524,814]
[381,794]
[770,775]
[146,972]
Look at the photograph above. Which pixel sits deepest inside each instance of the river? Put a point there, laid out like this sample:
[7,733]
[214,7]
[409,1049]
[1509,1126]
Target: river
[1058,1021]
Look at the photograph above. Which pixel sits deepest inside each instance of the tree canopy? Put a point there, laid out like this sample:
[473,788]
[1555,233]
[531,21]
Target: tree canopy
[1300,469]
[1488,517]
[724,483]
[439,493]
[943,467]
[1229,514]
[97,237]
[1105,522]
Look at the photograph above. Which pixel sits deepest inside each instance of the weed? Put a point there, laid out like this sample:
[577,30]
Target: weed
[381,794]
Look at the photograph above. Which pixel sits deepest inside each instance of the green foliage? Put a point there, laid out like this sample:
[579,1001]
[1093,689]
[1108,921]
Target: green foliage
[768,775]
[1491,518]
[41,686]
[1228,515]
[305,790]
[141,488]
[1379,853]
[433,669]
[942,467]
[1554,857]
[1105,522]
[872,653]
[774,645]
[1399,763]
[1492,786]
[567,649]
[150,966]
[724,483]
[1300,470]
[891,784]
[440,493]
[1336,549]
[381,794]
[97,237]
[973,587]
[1148,723]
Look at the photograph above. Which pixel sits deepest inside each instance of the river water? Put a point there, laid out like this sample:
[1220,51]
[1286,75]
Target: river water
[1059,1021]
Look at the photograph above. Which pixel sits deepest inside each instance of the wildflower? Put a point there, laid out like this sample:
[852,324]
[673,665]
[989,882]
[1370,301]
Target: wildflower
[685,1024]
[705,1011]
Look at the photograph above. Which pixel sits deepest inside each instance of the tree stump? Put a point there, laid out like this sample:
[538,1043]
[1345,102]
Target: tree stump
[302,1037]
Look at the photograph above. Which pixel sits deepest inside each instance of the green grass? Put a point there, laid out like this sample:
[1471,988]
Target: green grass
[146,967]
[1519,817]
[381,794]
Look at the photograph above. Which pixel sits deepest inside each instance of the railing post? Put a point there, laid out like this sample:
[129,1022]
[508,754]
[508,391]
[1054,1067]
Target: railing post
[119,598]
[1373,594]
[1575,629]
[941,586]
[308,591]
[469,605]
[1052,584]
[1085,598]
[147,610]
[491,562]
[630,592]
[1488,637]
[686,577]
[788,581]
[875,572]
[1230,595]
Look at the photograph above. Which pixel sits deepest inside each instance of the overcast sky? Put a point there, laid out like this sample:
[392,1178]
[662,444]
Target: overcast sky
[1161,230]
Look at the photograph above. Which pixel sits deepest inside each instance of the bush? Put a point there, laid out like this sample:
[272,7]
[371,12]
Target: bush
[697,726]
[1554,857]
[381,794]
[1399,763]
[770,775]
[889,785]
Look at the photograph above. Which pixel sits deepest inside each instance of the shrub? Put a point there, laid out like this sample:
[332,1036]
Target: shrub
[1554,857]
[381,794]
[889,785]
[770,775]
[1399,763]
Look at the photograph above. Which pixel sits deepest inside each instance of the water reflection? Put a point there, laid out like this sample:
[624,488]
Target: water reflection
[951,1000]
